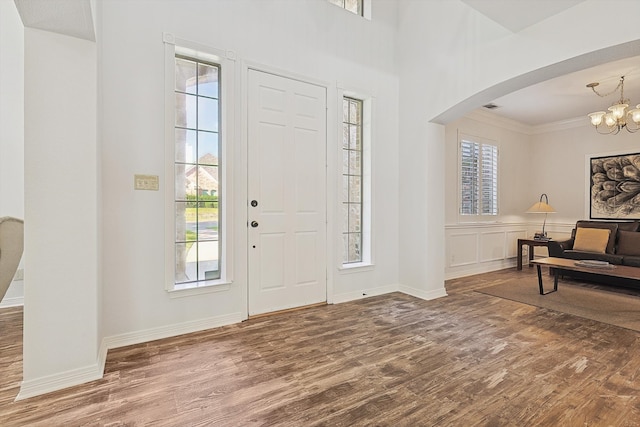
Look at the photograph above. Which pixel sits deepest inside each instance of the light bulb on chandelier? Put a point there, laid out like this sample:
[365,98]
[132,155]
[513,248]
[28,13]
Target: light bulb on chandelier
[616,119]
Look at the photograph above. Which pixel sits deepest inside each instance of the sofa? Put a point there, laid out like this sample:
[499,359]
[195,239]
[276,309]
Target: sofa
[617,242]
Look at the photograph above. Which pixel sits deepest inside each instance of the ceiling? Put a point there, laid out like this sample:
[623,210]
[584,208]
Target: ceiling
[69,17]
[516,15]
[565,97]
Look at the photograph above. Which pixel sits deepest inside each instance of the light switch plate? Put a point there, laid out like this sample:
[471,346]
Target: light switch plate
[146,182]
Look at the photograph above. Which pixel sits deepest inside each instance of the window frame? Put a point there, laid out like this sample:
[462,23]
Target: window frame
[198,201]
[367,184]
[479,215]
[343,5]
[365,7]
[226,62]
[358,123]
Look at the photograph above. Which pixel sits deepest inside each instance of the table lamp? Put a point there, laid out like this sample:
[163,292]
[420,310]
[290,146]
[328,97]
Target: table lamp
[545,208]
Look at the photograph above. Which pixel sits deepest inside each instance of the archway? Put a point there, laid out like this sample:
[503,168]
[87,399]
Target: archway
[577,63]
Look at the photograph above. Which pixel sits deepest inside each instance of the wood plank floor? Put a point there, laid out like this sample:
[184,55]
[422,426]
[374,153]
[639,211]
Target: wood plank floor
[393,360]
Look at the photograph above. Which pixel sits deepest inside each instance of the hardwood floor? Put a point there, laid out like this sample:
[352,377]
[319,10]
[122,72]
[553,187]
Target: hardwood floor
[393,360]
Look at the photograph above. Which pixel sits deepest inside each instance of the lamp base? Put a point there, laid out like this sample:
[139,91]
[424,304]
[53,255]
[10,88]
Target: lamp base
[541,236]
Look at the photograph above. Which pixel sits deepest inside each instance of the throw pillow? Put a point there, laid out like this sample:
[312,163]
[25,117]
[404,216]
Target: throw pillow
[591,239]
[613,226]
[628,243]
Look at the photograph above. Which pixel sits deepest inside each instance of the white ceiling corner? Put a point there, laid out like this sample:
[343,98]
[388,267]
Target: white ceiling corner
[69,17]
[516,15]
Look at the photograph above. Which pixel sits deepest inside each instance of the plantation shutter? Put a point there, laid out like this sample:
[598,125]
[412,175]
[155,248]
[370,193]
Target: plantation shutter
[478,178]
[489,179]
[470,170]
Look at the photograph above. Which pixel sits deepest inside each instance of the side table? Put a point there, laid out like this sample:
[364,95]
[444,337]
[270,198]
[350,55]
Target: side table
[530,243]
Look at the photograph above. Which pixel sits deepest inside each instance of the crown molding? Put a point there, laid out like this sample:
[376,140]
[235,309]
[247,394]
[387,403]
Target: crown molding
[561,125]
[485,116]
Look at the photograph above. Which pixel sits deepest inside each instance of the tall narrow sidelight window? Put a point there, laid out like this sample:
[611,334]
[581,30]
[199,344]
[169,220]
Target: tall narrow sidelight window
[197,172]
[478,178]
[352,180]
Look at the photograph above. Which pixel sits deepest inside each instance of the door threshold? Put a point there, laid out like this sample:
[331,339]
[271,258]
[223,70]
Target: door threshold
[287,310]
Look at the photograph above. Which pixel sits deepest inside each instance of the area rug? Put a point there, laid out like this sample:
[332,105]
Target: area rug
[595,304]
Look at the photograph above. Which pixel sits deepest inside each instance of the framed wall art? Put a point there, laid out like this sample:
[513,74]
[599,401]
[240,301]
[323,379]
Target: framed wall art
[615,187]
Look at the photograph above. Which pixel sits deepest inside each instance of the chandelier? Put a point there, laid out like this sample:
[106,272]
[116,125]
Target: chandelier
[616,119]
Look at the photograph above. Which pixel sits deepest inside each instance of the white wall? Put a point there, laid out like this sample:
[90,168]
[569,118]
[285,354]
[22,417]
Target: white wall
[561,159]
[475,245]
[516,170]
[61,193]
[11,126]
[310,39]
[452,60]
[421,158]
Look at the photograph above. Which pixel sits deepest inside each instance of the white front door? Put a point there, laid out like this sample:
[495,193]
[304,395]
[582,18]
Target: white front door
[287,193]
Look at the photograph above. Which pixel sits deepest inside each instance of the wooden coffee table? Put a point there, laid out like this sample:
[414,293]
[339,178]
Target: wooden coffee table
[556,264]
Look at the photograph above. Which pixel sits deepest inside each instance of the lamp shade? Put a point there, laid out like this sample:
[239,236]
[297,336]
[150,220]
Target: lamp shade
[635,114]
[618,110]
[596,118]
[609,120]
[541,207]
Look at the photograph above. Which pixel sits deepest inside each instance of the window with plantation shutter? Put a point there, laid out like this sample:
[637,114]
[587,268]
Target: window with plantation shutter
[478,178]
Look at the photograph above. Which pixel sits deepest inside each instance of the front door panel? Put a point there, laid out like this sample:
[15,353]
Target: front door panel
[287,184]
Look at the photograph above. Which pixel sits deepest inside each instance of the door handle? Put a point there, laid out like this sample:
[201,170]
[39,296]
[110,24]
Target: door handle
[254,203]
[254,224]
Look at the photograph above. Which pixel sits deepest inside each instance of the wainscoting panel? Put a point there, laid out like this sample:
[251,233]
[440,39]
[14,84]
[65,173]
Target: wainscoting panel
[492,246]
[483,247]
[463,249]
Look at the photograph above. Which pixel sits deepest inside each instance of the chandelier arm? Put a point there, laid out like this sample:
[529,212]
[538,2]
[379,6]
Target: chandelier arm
[611,130]
[633,126]
[620,83]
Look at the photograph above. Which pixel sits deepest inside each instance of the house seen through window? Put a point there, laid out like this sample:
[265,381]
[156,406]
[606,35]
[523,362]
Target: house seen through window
[197,178]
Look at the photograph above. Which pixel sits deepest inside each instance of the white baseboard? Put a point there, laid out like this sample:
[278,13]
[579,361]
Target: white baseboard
[364,293]
[425,295]
[11,302]
[147,335]
[62,380]
[59,381]
[479,268]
